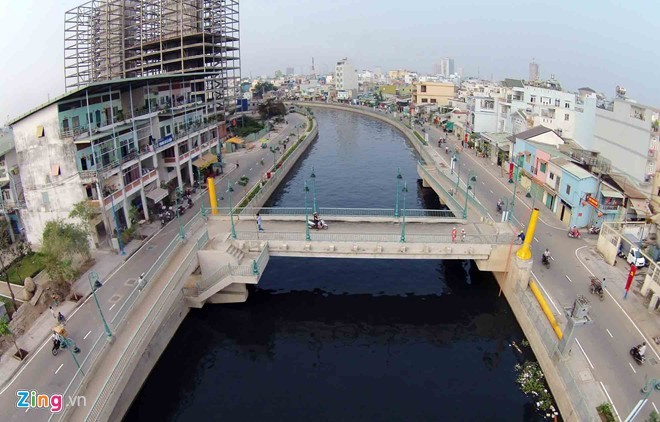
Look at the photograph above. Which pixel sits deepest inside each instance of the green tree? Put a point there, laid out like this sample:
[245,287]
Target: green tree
[7,252]
[263,87]
[5,330]
[82,211]
[271,108]
[278,74]
[61,241]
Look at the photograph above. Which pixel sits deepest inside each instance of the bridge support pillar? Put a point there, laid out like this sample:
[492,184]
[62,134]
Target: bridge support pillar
[425,183]
[519,273]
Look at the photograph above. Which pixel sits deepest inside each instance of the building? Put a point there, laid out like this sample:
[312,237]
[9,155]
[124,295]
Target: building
[111,39]
[533,71]
[290,71]
[12,199]
[116,145]
[481,116]
[346,78]
[433,93]
[446,66]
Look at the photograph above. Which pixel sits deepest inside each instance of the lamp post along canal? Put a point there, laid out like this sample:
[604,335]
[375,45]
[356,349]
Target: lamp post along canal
[403,212]
[94,283]
[114,213]
[458,170]
[471,178]
[516,174]
[178,194]
[398,182]
[313,176]
[307,236]
[231,210]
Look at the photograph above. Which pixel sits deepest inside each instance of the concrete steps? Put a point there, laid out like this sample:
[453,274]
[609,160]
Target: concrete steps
[235,253]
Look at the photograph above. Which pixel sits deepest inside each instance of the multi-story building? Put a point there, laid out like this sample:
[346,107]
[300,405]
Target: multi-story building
[116,145]
[482,116]
[533,71]
[446,66]
[346,78]
[433,93]
[12,199]
[289,71]
[112,39]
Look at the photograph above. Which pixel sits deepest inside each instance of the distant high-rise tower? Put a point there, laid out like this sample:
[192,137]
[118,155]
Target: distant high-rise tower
[446,66]
[533,71]
[289,71]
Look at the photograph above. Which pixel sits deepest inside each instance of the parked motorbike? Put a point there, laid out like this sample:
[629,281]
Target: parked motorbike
[594,230]
[640,359]
[322,225]
[545,261]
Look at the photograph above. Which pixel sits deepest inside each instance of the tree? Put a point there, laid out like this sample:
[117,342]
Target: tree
[263,87]
[278,74]
[5,330]
[6,254]
[61,241]
[82,211]
[271,108]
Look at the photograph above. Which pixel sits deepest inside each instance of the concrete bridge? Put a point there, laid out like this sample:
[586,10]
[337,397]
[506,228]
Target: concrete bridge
[235,257]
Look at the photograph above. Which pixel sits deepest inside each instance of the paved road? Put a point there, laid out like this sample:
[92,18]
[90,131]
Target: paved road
[606,342]
[52,374]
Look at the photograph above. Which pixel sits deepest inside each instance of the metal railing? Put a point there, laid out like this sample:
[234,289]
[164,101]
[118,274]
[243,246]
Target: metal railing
[328,212]
[436,183]
[326,236]
[262,260]
[144,328]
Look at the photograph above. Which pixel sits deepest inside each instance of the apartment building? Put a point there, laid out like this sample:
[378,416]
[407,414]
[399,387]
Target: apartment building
[11,189]
[115,144]
[438,93]
[346,78]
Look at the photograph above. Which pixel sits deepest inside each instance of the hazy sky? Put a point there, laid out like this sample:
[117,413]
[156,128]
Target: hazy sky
[596,43]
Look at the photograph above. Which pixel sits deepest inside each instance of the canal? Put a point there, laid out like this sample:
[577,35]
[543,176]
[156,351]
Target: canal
[328,340]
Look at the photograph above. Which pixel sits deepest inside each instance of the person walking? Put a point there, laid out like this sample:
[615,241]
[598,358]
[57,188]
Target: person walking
[453,235]
[463,235]
[52,312]
[259,226]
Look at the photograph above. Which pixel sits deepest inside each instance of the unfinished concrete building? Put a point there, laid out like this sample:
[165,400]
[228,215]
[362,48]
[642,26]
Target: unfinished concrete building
[110,39]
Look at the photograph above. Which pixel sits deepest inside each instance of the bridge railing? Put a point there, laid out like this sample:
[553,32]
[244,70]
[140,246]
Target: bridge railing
[327,236]
[329,212]
[262,259]
[436,183]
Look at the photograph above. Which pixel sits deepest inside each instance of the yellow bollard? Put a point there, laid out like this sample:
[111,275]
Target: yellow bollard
[210,182]
[525,251]
[546,309]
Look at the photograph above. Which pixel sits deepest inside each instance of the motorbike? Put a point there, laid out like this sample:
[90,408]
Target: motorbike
[574,234]
[594,230]
[545,261]
[446,150]
[640,359]
[322,225]
[596,288]
[499,208]
[189,203]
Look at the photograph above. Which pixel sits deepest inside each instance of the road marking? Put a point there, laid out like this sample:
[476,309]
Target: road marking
[656,409]
[113,305]
[250,169]
[546,292]
[85,338]
[585,353]
[608,332]
[491,191]
[535,239]
[58,368]
[631,367]
[552,257]
[617,304]
[26,410]
[610,399]
[569,279]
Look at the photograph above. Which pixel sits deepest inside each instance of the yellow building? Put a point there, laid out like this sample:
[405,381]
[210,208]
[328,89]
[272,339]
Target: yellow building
[433,93]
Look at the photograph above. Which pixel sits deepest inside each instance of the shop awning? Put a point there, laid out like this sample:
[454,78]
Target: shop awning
[157,194]
[205,160]
[264,140]
[234,140]
[611,193]
[640,206]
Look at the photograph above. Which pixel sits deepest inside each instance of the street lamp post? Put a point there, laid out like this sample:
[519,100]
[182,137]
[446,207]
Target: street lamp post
[73,350]
[651,384]
[178,194]
[313,176]
[114,212]
[94,283]
[516,173]
[231,210]
[398,182]
[274,151]
[468,187]
[403,212]
[307,236]
[458,170]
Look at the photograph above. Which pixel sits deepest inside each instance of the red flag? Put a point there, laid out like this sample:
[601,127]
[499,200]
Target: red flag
[631,275]
[510,171]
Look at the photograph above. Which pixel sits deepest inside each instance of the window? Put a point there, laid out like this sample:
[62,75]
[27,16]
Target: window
[527,158]
[567,105]
[40,131]
[423,88]
[568,189]
[543,167]
[44,199]
[6,195]
[532,99]
[552,176]
[434,101]
[566,117]
[425,100]
[557,102]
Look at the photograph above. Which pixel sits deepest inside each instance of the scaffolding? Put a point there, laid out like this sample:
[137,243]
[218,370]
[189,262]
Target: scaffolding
[109,39]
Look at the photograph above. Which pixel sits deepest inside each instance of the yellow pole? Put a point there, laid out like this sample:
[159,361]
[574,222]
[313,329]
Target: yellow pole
[546,309]
[212,199]
[525,252]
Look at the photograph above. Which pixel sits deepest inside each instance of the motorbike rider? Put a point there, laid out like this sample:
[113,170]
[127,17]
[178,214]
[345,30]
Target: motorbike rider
[317,221]
[521,236]
[575,232]
[446,150]
[499,205]
[546,256]
[641,349]
[56,341]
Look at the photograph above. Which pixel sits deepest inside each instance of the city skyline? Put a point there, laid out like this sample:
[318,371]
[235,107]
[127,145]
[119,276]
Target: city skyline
[604,50]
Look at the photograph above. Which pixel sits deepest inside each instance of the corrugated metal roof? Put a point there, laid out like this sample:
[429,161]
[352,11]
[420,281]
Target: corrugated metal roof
[576,171]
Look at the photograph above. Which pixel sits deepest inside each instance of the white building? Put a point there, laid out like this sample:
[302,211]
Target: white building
[346,77]
[446,66]
[482,116]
